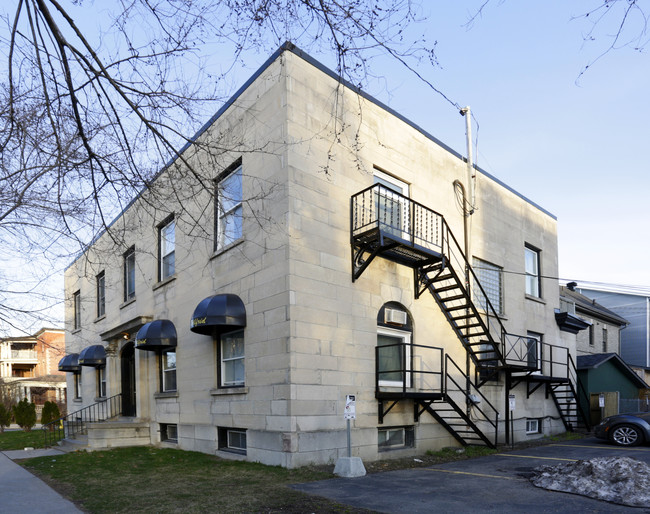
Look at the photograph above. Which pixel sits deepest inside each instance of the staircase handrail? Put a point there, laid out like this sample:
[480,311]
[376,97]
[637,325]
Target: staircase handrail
[581,392]
[73,423]
[468,398]
[489,310]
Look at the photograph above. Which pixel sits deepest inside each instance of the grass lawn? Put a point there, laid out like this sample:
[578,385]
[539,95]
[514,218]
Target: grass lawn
[19,440]
[161,480]
[145,479]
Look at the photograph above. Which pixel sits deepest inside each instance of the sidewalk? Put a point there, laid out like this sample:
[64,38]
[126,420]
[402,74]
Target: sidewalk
[20,491]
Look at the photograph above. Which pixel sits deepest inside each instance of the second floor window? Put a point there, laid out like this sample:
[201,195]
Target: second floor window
[167,245]
[228,217]
[76,299]
[489,276]
[532,272]
[129,274]
[101,295]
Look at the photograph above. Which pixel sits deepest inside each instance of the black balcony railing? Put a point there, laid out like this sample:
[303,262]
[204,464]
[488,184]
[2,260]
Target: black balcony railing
[75,422]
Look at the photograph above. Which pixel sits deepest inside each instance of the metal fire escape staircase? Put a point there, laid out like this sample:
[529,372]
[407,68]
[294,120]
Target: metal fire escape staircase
[386,224]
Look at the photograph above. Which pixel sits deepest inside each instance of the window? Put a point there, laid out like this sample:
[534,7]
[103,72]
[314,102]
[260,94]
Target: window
[228,217]
[77,384]
[76,298]
[533,426]
[393,357]
[232,439]
[489,276]
[591,335]
[101,382]
[604,339]
[532,272]
[168,371]
[169,432]
[392,209]
[101,295]
[391,438]
[166,245]
[533,350]
[232,359]
[129,274]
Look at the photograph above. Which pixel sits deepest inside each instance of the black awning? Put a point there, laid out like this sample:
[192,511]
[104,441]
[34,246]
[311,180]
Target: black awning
[217,314]
[156,335]
[70,363]
[94,355]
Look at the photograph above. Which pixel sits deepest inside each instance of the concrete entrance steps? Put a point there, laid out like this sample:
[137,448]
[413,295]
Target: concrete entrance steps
[109,434]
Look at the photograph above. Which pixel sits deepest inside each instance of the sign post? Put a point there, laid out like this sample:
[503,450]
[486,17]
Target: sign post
[511,407]
[350,413]
[349,466]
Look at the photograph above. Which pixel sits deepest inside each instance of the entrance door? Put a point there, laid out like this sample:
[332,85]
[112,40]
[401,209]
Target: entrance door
[128,380]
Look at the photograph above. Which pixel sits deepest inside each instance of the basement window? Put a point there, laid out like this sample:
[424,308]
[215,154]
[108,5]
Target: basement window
[533,426]
[394,438]
[169,433]
[232,440]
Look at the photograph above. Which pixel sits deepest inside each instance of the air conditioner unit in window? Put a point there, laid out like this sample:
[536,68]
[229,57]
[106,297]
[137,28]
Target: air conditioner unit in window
[394,316]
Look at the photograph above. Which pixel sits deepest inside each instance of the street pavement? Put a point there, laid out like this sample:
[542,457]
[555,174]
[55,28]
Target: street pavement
[22,492]
[496,483]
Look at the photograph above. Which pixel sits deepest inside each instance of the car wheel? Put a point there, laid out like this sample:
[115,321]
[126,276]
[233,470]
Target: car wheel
[626,435]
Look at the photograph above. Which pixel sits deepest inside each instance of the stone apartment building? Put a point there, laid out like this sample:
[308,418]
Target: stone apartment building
[29,366]
[328,255]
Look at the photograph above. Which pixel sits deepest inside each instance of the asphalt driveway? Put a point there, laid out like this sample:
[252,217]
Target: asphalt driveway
[497,483]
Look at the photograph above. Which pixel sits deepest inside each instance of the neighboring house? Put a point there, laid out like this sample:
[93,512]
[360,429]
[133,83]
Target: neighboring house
[607,374]
[603,333]
[29,366]
[321,260]
[635,308]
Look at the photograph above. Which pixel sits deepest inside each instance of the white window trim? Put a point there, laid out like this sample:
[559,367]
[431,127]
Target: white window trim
[164,387]
[536,422]
[222,362]
[536,273]
[221,214]
[162,247]
[406,336]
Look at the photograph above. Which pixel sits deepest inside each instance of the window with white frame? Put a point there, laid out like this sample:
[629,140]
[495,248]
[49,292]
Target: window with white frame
[166,246]
[232,439]
[533,350]
[392,438]
[76,300]
[168,371]
[533,426]
[229,212]
[101,294]
[490,276]
[532,271]
[232,365]
[129,274]
[394,357]
[101,382]
[169,432]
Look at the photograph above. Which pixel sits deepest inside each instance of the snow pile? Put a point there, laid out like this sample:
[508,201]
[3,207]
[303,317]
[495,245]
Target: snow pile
[613,479]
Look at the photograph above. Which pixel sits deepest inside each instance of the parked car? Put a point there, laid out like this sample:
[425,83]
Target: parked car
[625,429]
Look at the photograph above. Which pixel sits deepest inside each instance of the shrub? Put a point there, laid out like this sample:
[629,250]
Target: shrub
[5,417]
[50,413]
[25,414]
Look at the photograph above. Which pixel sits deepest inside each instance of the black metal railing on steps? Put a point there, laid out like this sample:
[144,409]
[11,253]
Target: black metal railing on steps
[74,423]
